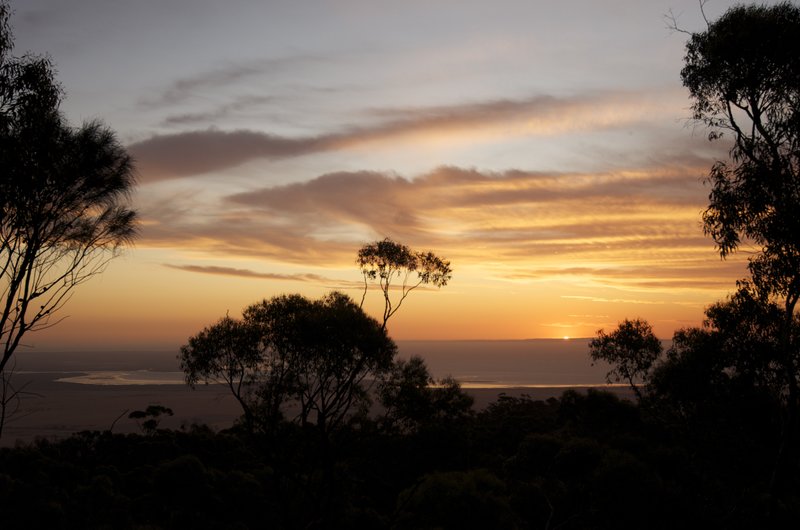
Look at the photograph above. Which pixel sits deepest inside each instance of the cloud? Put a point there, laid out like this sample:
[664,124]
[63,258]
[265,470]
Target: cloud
[317,279]
[197,152]
[246,273]
[230,74]
[600,299]
[188,153]
[330,283]
[662,274]
[637,229]
[512,207]
[239,104]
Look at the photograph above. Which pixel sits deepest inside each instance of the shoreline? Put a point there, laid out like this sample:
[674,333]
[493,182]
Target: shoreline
[52,409]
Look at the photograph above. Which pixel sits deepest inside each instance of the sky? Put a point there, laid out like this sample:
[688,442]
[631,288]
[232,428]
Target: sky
[544,148]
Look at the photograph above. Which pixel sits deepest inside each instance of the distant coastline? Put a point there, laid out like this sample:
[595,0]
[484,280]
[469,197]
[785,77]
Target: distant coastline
[60,409]
[474,362]
[80,390]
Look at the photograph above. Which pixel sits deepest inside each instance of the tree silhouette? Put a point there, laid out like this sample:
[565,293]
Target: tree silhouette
[333,349]
[743,74]
[230,352]
[631,349]
[412,398]
[63,193]
[321,354]
[388,262]
[149,418]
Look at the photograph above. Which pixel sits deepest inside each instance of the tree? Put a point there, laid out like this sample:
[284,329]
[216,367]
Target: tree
[733,352]
[229,352]
[63,202]
[413,398]
[321,354]
[631,349]
[149,419]
[333,348]
[473,499]
[388,261]
[743,74]
[721,390]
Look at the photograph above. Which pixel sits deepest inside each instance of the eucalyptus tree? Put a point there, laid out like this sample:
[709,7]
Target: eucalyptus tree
[395,267]
[632,350]
[63,202]
[318,358]
[228,352]
[412,398]
[743,75]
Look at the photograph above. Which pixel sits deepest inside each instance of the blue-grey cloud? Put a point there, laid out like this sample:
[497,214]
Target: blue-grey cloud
[220,112]
[230,74]
[200,151]
[247,273]
[197,152]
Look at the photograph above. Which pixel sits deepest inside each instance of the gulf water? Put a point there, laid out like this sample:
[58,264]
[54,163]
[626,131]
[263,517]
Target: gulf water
[474,363]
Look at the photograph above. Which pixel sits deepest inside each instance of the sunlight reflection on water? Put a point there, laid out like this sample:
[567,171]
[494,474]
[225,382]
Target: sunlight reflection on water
[137,377]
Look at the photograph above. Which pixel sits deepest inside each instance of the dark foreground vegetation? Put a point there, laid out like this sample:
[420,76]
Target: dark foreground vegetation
[582,461]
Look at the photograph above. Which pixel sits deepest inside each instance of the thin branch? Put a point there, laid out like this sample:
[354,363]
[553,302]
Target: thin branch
[113,423]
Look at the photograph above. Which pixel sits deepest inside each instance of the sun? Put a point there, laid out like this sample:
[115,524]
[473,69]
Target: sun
[566,337]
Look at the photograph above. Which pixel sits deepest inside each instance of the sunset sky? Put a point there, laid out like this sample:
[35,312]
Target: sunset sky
[544,148]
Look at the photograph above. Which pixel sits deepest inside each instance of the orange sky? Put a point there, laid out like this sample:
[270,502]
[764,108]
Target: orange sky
[546,154]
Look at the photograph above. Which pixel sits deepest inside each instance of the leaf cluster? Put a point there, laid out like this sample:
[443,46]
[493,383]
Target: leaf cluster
[413,399]
[387,262]
[743,74]
[64,195]
[631,349]
[318,354]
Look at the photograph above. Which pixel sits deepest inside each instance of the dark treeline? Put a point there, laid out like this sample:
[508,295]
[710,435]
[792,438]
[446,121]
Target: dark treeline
[581,461]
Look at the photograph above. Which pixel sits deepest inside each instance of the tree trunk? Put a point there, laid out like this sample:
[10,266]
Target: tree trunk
[786,449]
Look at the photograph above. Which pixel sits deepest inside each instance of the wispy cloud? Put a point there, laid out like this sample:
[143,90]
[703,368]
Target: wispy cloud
[246,273]
[317,279]
[680,272]
[506,208]
[200,151]
[637,229]
[600,299]
[220,112]
[230,74]
[197,152]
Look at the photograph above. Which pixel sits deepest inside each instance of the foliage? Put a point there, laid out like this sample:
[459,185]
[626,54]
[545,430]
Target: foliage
[586,460]
[631,349]
[63,194]
[388,261]
[459,500]
[151,417]
[413,399]
[748,328]
[321,355]
[230,352]
[743,74]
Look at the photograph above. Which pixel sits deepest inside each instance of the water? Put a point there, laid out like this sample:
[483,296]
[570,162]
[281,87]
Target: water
[510,363]
[67,392]
[476,364]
